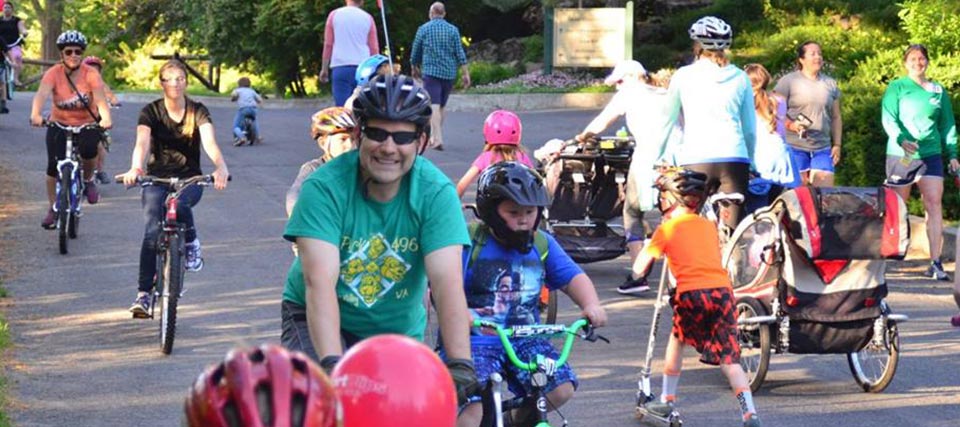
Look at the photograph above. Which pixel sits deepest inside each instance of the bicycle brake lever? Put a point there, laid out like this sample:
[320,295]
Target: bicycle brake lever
[593,336]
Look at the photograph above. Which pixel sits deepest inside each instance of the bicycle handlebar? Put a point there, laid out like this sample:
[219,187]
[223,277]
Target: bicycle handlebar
[175,183]
[542,331]
[72,129]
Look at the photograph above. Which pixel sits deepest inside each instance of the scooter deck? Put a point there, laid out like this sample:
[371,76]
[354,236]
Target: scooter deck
[647,417]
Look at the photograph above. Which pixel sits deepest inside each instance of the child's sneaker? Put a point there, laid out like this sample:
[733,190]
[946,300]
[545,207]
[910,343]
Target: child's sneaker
[141,306]
[633,287]
[935,271]
[751,421]
[955,321]
[239,141]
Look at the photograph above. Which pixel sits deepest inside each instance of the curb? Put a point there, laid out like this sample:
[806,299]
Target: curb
[457,102]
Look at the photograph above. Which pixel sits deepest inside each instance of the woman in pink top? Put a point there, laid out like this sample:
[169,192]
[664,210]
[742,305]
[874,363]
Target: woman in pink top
[501,130]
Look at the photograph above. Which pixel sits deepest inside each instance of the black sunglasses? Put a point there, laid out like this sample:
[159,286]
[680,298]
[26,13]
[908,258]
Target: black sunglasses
[399,137]
[72,52]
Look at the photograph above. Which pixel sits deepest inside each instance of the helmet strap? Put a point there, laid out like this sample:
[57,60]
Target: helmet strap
[521,240]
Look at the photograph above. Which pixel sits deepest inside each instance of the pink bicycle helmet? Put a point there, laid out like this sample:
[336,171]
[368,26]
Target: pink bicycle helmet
[502,127]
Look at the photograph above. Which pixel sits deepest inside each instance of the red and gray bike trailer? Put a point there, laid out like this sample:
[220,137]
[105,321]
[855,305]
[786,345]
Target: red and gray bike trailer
[809,276]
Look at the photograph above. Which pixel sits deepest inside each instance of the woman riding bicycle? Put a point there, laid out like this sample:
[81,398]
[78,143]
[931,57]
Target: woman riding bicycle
[719,122]
[78,100]
[170,132]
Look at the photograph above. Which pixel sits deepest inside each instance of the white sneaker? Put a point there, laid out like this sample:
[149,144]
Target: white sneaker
[194,256]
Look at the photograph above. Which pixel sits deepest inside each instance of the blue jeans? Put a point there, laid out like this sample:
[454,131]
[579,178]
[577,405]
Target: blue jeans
[344,80]
[152,198]
[238,121]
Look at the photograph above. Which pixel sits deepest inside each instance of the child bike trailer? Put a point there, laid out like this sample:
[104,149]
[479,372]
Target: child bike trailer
[587,183]
[809,277]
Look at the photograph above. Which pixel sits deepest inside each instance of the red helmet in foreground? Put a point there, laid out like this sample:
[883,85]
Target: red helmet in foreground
[392,380]
[266,386]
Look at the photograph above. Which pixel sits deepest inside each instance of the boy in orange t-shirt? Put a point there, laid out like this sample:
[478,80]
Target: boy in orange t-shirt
[703,307]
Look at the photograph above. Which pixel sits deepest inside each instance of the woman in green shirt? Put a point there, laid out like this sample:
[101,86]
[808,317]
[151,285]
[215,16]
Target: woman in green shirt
[918,119]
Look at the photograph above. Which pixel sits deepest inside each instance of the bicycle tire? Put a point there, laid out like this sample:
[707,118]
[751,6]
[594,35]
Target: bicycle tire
[754,342]
[73,225]
[551,308]
[891,348]
[63,207]
[170,293]
[250,130]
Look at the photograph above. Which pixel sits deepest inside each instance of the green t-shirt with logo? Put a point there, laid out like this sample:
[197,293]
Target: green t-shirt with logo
[382,245]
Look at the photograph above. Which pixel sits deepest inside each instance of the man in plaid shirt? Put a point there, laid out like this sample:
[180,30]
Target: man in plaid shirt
[436,53]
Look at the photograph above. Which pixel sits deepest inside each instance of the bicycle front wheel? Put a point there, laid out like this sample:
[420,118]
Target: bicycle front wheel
[874,366]
[63,207]
[170,294]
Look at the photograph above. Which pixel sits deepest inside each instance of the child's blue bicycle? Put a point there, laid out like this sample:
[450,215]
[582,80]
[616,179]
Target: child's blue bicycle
[541,368]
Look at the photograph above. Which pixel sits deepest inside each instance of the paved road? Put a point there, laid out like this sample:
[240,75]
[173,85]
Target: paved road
[80,360]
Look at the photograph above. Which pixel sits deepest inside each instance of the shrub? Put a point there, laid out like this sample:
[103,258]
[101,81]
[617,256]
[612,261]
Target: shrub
[533,48]
[482,73]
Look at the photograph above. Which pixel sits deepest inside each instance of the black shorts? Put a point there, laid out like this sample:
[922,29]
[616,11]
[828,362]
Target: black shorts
[439,89]
[86,143]
[705,320]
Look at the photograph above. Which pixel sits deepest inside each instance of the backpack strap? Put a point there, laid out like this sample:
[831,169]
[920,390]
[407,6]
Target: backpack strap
[478,236]
[543,248]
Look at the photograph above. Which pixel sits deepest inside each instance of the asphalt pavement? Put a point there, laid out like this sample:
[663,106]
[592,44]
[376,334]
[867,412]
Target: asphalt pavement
[79,359]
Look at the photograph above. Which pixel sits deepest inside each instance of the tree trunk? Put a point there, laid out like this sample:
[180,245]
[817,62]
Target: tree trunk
[50,16]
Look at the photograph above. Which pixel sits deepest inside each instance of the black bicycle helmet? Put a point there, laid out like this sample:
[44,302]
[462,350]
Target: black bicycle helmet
[513,181]
[71,38]
[684,186]
[395,98]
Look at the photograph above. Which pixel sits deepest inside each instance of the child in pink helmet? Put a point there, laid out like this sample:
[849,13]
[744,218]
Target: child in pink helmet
[501,131]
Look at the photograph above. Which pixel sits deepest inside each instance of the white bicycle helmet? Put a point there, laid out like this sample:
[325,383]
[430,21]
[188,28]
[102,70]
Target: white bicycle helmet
[712,33]
[71,38]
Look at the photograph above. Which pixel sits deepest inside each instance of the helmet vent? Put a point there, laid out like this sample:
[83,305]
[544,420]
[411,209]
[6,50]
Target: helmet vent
[256,356]
[265,404]
[298,408]
[299,365]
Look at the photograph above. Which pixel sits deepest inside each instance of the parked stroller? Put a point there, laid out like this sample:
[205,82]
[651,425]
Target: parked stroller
[587,182]
[809,277]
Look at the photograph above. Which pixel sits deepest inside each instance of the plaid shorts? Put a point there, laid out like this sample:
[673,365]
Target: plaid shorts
[705,320]
[490,358]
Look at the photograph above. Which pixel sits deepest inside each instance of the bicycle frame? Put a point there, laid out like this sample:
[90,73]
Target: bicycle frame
[542,368]
[70,159]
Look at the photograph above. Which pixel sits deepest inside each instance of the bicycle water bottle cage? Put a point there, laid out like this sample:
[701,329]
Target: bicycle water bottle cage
[172,210]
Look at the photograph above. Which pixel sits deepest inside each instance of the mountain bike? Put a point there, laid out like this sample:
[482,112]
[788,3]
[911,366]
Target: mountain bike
[171,255]
[542,368]
[69,188]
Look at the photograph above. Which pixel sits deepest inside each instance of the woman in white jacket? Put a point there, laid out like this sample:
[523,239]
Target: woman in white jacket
[719,122]
[641,103]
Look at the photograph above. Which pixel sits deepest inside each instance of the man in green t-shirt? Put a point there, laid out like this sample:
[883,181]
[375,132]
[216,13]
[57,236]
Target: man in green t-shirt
[372,226]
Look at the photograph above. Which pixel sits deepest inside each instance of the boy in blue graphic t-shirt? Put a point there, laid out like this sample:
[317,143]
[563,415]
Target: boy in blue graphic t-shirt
[502,283]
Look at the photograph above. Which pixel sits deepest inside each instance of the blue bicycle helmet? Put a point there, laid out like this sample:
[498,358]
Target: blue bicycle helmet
[368,68]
